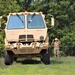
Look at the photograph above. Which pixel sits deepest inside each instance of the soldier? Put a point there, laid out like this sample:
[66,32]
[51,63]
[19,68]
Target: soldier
[56,44]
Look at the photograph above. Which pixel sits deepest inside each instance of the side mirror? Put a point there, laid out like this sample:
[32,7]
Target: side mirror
[52,21]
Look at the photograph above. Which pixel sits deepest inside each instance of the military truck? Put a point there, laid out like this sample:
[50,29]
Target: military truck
[26,36]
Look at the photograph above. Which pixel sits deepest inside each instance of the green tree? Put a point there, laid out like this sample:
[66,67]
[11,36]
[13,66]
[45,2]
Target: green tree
[64,13]
[6,6]
[24,4]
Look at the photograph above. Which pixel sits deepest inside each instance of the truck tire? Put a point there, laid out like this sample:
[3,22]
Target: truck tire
[15,59]
[8,58]
[46,57]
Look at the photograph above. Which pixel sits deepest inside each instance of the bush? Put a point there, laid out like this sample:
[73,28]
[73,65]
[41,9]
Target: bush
[62,53]
[1,44]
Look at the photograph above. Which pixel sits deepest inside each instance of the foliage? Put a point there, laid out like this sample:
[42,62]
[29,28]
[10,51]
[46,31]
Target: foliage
[1,42]
[62,10]
[24,4]
[6,6]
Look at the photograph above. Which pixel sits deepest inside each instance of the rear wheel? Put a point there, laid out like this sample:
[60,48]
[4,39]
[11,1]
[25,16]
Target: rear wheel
[46,57]
[8,58]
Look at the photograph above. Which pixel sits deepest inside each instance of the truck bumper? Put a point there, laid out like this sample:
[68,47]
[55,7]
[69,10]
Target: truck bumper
[33,48]
[27,50]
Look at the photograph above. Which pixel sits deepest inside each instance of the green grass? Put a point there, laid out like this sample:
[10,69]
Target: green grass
[61,66]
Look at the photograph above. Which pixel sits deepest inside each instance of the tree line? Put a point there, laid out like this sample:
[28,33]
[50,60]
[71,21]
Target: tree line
[63,12]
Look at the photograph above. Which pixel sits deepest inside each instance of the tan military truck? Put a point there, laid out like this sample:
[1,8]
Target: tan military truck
[26,36]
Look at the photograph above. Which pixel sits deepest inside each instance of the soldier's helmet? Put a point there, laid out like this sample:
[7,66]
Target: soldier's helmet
[56,39]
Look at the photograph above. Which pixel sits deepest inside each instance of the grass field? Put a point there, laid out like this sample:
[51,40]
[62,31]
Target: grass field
[61,66]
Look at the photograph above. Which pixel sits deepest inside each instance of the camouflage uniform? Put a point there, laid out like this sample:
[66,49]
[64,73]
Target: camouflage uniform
[56,44]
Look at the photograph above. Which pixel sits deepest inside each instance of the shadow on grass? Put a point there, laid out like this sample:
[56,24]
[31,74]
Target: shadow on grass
[34,61]
[56,61]
[31,61]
